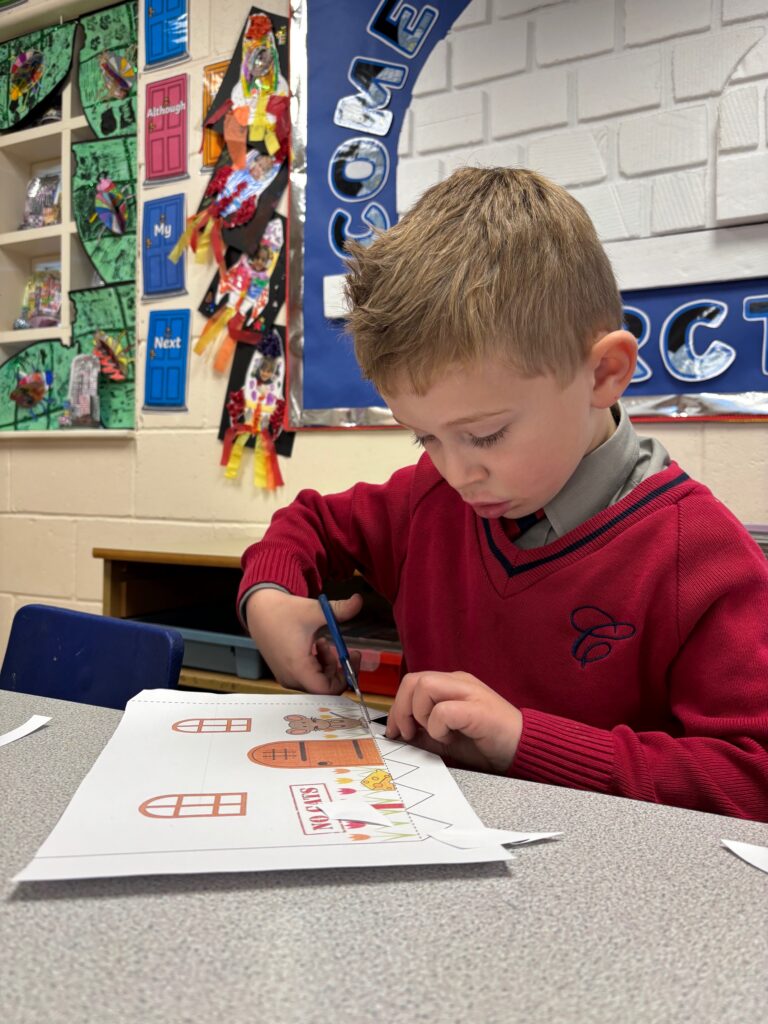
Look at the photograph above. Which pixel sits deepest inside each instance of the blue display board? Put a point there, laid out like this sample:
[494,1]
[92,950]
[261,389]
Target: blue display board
[364,58]
[162,226]
[698,338]
[165,31]
[167,354]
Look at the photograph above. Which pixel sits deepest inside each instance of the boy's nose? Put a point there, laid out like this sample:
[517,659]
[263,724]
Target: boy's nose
[461,472]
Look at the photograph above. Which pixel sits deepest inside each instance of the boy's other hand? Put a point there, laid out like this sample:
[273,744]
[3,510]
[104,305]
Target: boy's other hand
[457,716]
[284,629]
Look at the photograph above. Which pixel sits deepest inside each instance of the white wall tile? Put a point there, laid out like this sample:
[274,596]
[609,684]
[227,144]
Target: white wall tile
[475,13]
[500,154]
[434,74]
[511,8]
[489,52]
[658,142]
[616,85]
[575,30]
[679,202]
[570,158]
[739,10]
[529,102]
[738,124]
[649,20]
[451,119]
[413,176]
[742,188]
[701,66]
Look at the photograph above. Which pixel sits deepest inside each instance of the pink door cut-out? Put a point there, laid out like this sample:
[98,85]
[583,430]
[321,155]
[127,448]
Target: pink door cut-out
[165,134]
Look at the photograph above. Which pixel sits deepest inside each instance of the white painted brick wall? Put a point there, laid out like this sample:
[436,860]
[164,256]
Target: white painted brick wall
[570,158]
[617,85]
[450,119]
[738,119]
[701,66]
[650,20]
[679,202]
[489,52]
[741,188]
[633,104]
[529,102]
[658,142]
[575,30]
[738,10]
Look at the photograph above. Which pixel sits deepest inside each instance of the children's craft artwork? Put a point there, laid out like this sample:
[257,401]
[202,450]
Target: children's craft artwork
[166,367]
[253,415]
[165,130]
[242,302]
[103,330]
[41,304]
[42,205]
[108,65]
[165,32]
[34,386]
[163,223]
[245,783]
[250,113]
[104,205]
[213,144]
[32,69]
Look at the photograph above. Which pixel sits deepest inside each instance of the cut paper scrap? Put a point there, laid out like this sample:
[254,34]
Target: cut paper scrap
[352,810]
[475,838]
[757,856]
[33,723]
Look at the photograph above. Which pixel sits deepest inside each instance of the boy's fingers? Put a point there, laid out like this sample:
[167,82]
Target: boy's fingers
[347,608]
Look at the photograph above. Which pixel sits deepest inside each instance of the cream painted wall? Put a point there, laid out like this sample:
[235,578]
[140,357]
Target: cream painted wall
[164,489]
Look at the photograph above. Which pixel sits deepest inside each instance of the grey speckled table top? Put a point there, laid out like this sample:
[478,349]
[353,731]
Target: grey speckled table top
[636,914]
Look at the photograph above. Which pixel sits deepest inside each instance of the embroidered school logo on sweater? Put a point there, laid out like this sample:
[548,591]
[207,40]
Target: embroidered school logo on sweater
[597,632]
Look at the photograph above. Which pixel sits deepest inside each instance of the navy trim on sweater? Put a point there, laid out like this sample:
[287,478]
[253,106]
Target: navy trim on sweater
[517,570]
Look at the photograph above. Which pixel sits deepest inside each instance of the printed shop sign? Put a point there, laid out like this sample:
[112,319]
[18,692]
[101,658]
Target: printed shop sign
[165,129]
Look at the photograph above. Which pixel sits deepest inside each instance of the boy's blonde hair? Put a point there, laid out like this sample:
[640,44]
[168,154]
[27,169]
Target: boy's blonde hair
[491,261]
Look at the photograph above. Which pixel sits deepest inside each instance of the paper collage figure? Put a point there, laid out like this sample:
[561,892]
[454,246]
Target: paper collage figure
[247,134]
[108,66]
[33,68]
[233,783]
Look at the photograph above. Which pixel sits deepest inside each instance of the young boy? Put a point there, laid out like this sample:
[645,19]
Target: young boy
[573,608]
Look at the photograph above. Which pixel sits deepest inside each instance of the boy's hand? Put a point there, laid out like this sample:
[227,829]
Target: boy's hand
[283,627]
[457,716]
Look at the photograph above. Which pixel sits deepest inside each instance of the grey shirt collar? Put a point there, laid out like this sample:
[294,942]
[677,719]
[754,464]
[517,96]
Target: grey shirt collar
[603,477]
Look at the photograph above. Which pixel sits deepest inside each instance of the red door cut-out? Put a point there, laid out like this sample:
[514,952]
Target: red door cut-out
[165,134]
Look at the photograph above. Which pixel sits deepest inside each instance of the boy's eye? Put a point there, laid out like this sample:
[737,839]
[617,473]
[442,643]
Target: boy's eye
[489,439]
[422,440]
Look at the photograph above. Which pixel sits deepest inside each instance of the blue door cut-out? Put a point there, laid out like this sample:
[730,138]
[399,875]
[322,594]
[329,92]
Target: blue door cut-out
[163,225]
[165,31]
[166,371]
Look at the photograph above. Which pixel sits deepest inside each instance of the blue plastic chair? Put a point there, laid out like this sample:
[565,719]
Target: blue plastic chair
[93,659]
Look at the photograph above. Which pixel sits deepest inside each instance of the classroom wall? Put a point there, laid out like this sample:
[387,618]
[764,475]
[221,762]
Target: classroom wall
[612,77]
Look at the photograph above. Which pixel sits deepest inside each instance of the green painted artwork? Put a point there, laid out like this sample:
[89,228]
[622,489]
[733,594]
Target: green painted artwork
[104,205]
[90,383]
[104,326]
[107,75]
[32,67]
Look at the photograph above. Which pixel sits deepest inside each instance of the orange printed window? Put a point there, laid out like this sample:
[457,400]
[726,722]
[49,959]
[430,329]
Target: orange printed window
[195,805]
[315,753]
[212,725]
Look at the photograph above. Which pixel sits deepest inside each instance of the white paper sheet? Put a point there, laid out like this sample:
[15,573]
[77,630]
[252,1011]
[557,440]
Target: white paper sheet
[757,856]
[476,838]
[233,782]
[33,723]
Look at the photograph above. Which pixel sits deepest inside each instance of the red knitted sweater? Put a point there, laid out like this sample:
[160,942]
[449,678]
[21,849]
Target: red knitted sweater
[636,646]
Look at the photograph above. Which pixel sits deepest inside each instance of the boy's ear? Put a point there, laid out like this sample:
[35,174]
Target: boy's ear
[613,359]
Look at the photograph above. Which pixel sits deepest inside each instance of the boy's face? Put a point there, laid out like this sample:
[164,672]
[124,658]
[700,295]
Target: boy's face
[506,443]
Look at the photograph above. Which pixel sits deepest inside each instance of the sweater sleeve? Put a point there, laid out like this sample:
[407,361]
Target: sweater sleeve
[718,694]
[318,538]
